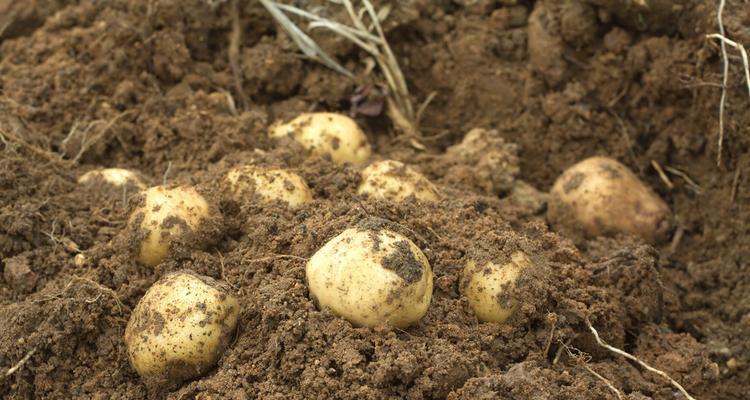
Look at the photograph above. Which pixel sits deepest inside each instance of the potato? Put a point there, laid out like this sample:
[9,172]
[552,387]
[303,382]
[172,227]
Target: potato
[371,277]
[180,328]
[490,287]
[113,178]
[271,184]
[600,196]
[392,180]
[327,135]
[163,217]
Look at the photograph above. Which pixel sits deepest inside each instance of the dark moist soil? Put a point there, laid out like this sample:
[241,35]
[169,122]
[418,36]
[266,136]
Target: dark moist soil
[148,85]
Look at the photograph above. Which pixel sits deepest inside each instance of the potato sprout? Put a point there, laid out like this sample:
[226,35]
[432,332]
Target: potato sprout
[271,184]
[392,180]
[180,327]
[371,277]
[327,134]
[164,216]
[490,287]
[600,196]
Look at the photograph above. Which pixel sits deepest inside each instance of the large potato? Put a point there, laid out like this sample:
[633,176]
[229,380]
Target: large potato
[327,134]
[371,277]
[395,181]
[164,216]
[271,184]
[180,328]
[490,287]
[600,196]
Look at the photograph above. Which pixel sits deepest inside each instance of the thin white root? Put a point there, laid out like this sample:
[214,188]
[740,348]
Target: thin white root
[582,359]
[722,103]
[636,359]
[20,364]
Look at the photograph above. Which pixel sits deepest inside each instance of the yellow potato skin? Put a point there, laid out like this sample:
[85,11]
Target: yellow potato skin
[117,177]
[371,277]
[489,287]
[180,327]
[271,184]
[164,215]
[601,196]
[395,181]
[327,134]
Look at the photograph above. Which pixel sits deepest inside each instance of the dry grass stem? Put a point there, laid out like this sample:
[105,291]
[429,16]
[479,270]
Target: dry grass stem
[662,175]
[637,360]
[20,364]
[366,32]
[235,38]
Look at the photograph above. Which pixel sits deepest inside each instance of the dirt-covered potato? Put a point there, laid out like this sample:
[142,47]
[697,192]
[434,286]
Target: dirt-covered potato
[113,179]
[371,277]
[485,160]
[271,184]
[395,181]
[490,287]
[327,134]
[600,196]
[164,216]
[180,328]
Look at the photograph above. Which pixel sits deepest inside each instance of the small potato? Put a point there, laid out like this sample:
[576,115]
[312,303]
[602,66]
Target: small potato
[271,184]
[489,288]
[180,328]
[327,134]
[116,179]
[164,216]
[600,196]
[392,180]
[371,277]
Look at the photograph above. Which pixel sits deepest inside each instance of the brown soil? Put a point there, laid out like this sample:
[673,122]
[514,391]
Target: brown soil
[148,85]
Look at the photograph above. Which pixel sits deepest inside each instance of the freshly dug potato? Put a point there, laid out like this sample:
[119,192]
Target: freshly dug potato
[180,328]
[395,181]
[271,184]
[600,196]
[164,216]
[327,134]
[371,277]
[113,178]
[490,287]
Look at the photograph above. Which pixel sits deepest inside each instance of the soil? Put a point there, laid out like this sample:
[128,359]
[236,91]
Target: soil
[149,85]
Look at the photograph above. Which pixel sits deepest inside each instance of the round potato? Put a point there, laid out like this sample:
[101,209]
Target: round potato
[371,277]
[490,287]
[271,184]
[164,216]
[600,196]
[327,135]
[113,178]
[180,328]
[395,181]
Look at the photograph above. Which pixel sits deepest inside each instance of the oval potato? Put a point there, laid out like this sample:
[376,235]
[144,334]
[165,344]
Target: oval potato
[600,196]
[271,184]
[371,277]
[327,134]
[113,178]
[180,327]
[395,181]
[489,287]
[163,216]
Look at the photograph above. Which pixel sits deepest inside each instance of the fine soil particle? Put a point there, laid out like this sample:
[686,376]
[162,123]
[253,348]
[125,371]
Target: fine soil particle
[536,85]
